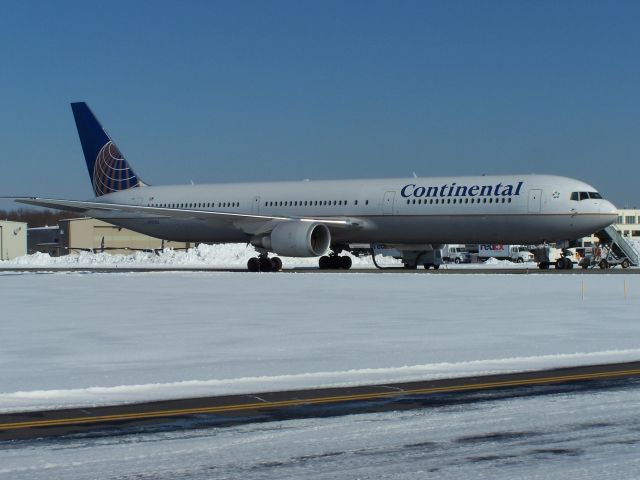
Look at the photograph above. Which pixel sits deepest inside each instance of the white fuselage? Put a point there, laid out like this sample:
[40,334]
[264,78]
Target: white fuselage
[518,209]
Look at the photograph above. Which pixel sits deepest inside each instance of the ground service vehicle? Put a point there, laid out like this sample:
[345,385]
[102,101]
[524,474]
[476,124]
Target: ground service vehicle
[456,254]
[515,253]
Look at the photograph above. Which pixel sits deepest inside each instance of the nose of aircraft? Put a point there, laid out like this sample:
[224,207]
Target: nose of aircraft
[609,209]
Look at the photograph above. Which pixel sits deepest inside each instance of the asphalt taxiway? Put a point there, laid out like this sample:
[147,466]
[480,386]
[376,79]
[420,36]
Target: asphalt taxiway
[265,406]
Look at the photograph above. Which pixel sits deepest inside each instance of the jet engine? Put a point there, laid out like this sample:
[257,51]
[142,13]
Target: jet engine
[296,239]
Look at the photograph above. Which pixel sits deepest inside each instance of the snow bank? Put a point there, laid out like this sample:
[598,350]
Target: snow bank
[231,255]
[95,396]
[496,263]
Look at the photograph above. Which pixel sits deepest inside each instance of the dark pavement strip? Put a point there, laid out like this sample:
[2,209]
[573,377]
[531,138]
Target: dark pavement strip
[265,406]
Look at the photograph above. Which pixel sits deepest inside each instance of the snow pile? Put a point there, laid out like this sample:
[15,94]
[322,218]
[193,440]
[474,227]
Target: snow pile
[93,396]
[495,263]
[229,255]
[223,255]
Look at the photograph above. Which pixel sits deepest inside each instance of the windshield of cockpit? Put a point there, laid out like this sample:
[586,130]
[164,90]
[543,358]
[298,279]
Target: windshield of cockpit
[578,196]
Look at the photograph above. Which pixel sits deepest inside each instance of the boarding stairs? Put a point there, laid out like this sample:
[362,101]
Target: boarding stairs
[618,248]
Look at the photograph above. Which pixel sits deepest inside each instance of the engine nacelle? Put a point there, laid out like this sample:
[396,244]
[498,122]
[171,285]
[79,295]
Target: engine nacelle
[296,239]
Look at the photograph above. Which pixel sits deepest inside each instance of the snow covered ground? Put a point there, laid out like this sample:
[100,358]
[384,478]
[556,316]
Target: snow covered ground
[88,339]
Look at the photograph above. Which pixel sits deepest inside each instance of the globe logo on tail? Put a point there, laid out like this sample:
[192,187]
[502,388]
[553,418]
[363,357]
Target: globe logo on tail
[111,172]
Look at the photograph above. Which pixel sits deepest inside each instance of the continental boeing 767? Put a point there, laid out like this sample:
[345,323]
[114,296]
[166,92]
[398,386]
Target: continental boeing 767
[323,218]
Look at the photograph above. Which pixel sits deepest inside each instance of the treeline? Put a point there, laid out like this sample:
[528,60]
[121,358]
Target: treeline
[36,217]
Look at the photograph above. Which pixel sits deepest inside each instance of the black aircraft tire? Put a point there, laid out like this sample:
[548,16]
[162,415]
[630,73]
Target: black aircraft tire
[625,263]
[324,263]
[265,264]
[345,263]
[276,264]
[253,265]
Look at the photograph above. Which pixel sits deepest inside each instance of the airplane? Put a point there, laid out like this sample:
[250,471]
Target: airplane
[322,219]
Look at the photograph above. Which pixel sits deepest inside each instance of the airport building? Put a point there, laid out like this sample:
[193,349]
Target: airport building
[13,239]
[44,240]
[89,234]
[629,222]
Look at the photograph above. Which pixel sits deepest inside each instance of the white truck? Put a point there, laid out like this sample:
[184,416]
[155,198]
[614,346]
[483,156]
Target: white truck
[456,254]
[515,253]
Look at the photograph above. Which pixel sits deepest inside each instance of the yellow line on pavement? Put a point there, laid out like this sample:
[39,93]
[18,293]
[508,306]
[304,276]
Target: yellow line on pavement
[318,400]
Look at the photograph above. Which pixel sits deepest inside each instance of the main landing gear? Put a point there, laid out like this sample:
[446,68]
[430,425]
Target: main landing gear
[334,262]
[564,263]
[263,263]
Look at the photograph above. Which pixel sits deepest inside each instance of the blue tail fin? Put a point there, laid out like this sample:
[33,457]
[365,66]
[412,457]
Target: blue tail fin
[108,169]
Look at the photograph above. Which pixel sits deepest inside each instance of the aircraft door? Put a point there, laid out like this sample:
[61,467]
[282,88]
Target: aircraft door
[535,200]
[388,202]
[255,207]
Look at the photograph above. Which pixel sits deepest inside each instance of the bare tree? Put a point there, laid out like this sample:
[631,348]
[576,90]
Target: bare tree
[36,217]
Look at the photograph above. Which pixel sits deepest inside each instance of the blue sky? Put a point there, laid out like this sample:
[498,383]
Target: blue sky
[232,91]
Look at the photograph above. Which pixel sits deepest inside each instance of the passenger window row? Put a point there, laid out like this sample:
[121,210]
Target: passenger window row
[196,205]
[309,203]
[282,203]
[441,201]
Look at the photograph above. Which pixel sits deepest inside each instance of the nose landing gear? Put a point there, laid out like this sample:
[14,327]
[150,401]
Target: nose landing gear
[564,263]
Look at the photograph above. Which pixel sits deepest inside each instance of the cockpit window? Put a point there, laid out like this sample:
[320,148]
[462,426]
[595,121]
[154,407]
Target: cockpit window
[585,195]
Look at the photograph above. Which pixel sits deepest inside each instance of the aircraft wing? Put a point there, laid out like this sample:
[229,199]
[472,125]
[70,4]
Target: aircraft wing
[249,223]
